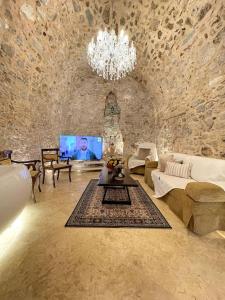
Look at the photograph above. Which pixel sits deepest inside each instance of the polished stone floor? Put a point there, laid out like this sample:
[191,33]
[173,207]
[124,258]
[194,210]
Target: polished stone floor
[41,259]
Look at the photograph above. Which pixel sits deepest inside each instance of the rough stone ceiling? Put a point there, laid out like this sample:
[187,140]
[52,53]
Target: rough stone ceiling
[163,31]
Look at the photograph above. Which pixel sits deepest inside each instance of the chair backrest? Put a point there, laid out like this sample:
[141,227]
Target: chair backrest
[5,157]
[4,154]
[49,155]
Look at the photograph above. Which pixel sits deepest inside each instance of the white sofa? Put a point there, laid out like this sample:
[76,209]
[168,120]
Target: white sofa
[203,169]
[198,201]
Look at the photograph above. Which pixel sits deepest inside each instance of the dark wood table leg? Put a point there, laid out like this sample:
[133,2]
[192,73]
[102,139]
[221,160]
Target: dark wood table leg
[33,184]
[39,182]
[70,174]
[105,191]
[43,179]
[128,194]
[53,177]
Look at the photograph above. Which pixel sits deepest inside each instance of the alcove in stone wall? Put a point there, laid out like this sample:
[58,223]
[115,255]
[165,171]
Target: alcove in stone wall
[112,132]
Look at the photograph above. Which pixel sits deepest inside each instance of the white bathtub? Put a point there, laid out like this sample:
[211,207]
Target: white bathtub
[15,191]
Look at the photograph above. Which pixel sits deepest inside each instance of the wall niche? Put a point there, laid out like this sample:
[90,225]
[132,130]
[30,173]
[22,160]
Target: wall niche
[112,132]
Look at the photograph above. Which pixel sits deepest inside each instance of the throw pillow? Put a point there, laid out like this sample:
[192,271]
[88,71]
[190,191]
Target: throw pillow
[143,153]
[163,159]
[179,161]
[178,170]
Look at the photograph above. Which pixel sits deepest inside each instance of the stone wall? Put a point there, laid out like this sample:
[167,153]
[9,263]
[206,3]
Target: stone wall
[33,81]
[86,106]
[47,88]
[181,47]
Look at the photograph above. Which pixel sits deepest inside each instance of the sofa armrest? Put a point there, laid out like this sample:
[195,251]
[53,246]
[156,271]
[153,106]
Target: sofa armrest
[205,192]
[149,167]
[151,164]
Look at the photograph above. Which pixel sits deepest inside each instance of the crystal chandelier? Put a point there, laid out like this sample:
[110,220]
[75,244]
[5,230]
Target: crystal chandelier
[111,56]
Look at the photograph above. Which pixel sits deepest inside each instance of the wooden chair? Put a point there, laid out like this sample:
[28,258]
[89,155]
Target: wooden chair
[51,161]
[35,172]
[5,154]
[32,165]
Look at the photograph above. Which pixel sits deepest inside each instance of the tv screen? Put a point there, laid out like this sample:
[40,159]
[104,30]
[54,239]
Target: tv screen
[81,147]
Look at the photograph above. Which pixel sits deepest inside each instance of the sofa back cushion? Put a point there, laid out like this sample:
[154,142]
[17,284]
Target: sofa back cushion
[163,159]
[150,146]
[143,153]
[208,169]
[204,169]
[178,169]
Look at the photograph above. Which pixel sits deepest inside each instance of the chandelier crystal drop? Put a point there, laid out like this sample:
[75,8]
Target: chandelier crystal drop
[111,56]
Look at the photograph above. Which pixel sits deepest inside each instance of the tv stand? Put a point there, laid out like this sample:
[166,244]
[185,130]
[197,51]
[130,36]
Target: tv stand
[87,166]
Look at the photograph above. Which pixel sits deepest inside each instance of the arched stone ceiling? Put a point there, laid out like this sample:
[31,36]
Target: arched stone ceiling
[180,70]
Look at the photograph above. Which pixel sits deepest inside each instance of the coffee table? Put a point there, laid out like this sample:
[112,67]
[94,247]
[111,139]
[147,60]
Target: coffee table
[111,183]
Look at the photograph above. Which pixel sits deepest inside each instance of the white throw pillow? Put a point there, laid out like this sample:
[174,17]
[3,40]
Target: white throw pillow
[163,159]
[178,170]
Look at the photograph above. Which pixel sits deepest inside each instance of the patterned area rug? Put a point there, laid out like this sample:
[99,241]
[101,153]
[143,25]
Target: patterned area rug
[89,212]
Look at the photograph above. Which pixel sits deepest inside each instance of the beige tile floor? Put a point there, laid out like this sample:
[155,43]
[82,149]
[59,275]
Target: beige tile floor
[44,260]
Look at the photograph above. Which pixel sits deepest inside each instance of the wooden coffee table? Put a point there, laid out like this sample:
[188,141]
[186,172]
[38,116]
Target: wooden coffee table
[111,183]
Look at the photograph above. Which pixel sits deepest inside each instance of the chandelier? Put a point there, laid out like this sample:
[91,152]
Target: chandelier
[111,56]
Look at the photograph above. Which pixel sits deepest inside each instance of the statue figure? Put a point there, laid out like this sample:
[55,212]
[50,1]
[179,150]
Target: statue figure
[112,134]
[111,105]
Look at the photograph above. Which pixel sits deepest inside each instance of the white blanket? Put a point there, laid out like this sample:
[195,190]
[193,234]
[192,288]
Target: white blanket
[134,162]
[164,183]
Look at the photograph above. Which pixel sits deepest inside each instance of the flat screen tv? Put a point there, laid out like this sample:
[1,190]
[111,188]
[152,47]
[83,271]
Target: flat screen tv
[81,147]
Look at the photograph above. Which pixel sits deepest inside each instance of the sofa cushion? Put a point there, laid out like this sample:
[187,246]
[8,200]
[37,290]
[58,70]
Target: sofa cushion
[207,169]
[163,159]
[133,162]
[164,183]
[178,169]
[204,169]
[205,192]
[147,145]
[143,153]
